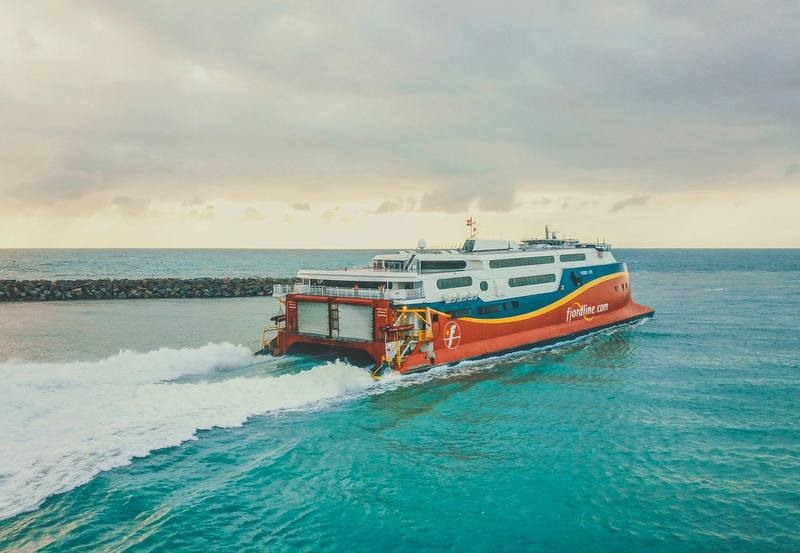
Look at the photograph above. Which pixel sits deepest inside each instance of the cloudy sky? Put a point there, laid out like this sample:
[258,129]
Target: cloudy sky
[373,124]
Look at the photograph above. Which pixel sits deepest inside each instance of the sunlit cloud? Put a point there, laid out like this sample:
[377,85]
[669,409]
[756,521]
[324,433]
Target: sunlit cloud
[251,214]
[392,206]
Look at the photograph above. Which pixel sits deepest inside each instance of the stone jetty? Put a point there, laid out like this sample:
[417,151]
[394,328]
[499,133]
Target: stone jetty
[148,288]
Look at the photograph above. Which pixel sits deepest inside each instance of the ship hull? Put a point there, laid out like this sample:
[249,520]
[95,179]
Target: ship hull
[599,304]
[541,343]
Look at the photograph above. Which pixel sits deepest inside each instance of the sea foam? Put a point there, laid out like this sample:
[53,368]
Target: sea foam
[63,423]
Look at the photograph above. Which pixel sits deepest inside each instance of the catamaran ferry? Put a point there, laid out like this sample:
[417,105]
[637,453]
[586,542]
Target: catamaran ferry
[415,309]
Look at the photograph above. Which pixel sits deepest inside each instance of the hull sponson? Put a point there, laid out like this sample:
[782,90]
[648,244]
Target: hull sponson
[603,301]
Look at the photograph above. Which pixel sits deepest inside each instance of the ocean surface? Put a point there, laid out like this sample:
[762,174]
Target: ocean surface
[192,263]
[149,426]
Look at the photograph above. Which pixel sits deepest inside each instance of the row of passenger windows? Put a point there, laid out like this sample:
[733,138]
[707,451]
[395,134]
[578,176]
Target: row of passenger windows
[572,257]
[541,260]
[437,265]
[455,282]
[497,307]
[459,264]
[520,261]
[485,309]
[463,282]
[529,280]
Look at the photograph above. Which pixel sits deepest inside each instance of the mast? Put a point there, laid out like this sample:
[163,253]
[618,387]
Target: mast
[473,230]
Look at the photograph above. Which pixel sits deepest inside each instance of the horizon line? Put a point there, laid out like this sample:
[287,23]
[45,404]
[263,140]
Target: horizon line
[93,248]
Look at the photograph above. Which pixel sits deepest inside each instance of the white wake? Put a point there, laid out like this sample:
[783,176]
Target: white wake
[62,423]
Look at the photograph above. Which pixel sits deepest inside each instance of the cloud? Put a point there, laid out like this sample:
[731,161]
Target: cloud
[328,215]
[389,206]
[208,212]
[131,207]
[460,198]
[634,201]
[301,206]
[194,202]
[252,214]
[392,206]
[470,107]
[574,203]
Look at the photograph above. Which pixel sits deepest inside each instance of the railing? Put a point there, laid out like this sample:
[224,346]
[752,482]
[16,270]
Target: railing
[335,291]
[281,289]
[379,269]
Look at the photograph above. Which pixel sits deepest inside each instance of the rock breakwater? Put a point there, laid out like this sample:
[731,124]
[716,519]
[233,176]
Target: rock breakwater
[148,288]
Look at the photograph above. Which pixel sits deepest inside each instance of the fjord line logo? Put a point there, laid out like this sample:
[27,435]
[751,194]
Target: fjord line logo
[586,311]
[452,335]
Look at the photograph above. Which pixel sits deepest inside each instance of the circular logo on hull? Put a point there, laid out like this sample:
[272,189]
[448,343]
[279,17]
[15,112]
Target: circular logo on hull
[452,335]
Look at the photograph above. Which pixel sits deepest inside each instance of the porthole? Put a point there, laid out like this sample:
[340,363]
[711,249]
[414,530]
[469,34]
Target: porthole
[484,285]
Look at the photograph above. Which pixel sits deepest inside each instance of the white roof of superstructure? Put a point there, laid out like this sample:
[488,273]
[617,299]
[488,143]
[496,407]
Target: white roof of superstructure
[483,245]
[364,273]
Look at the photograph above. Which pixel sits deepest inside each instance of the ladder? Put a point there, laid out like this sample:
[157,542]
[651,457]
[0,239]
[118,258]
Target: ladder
[423,333]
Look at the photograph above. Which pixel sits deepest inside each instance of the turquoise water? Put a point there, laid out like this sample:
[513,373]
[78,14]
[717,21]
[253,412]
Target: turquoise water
[679,434]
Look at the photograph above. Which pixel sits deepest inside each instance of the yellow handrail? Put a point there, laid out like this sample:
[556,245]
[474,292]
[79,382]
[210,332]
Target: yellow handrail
[264,341]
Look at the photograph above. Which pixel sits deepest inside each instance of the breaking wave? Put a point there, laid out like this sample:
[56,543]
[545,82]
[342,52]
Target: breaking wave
[63,423]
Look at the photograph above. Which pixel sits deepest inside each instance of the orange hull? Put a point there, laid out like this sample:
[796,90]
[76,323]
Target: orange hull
[601,303]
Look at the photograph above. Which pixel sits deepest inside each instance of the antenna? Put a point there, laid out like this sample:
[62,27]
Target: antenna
[473,230]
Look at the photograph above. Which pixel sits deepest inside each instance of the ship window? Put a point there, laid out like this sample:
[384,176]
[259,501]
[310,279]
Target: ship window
[530,280]
[436,265]
[455,282]
[514,305]
[493,308]
[573,257]
[520,261]
[460,313]
[484,285]
[469,245]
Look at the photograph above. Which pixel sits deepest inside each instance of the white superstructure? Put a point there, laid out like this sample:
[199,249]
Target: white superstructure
[481,269]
